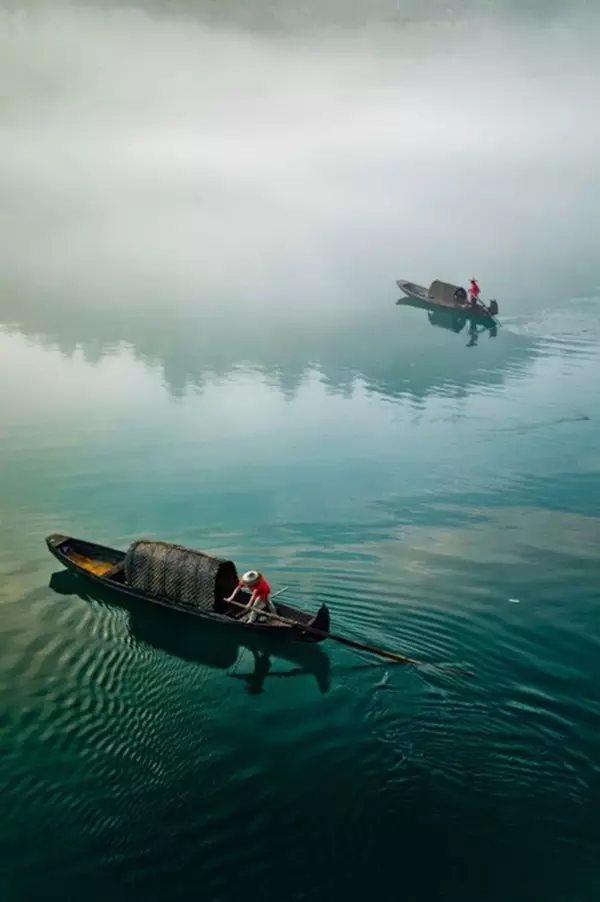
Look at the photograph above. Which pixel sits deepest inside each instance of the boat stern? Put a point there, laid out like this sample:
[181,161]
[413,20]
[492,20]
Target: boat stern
[322,619]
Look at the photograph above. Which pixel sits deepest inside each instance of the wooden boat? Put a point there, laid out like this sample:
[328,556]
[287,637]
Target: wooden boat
[445,296]
[180,578]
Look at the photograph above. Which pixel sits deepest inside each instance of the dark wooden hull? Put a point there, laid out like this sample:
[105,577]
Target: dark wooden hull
[416,296]
[103,566]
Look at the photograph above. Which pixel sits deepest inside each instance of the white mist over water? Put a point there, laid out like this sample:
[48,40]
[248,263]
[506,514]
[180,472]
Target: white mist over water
[151,161]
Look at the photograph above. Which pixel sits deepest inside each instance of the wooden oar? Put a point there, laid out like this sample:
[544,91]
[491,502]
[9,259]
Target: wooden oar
[361,646]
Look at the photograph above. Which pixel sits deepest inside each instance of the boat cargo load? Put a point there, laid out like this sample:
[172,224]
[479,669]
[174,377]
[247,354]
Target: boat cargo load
[447,293]
[181,575]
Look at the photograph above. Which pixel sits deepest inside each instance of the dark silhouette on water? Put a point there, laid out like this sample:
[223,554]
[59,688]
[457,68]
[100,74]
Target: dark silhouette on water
[456,320]
[447,319]
[475,332]
[203,643]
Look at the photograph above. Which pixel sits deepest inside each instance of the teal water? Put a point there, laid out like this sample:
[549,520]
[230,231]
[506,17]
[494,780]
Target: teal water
[199,342]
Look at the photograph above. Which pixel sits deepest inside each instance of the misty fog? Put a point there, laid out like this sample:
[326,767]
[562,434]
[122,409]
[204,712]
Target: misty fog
[158,160]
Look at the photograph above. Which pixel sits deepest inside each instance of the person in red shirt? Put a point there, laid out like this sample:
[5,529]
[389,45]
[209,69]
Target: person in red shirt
[474,292]
[260,597]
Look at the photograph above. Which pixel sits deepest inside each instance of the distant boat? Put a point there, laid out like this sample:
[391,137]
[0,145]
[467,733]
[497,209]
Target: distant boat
[445,296]
[183,579]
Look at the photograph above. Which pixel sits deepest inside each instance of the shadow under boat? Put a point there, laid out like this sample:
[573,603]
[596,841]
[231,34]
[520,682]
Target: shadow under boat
[203,642]
[454,320]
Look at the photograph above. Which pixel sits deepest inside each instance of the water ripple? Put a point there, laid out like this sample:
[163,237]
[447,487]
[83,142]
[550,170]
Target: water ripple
[134,747]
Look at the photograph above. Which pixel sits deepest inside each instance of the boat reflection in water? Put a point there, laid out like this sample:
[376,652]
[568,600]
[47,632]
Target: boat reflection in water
[454,320]
[204,642]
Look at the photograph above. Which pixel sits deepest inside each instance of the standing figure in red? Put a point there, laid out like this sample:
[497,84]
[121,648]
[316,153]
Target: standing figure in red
[260,597]
[474,292]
